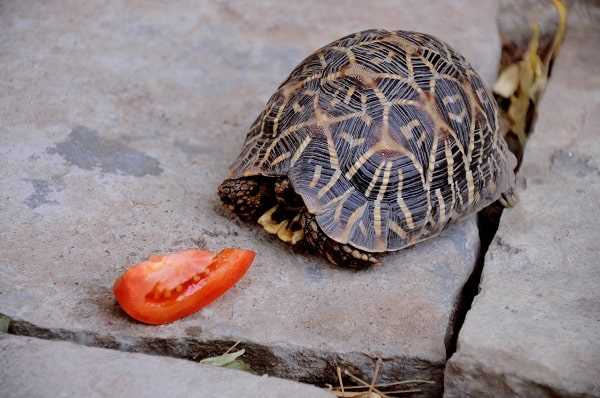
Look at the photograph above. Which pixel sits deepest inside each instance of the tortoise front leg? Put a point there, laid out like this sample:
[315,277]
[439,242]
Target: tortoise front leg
[283,219]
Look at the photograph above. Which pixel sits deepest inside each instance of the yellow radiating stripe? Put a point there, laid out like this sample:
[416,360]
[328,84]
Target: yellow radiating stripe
[297,107]
[353,142]
[398,230]
[367,119]
[377,61]
[377,218]
[450,99]
[385,182]
[340,206]
[430,169]
[347,51]
[300,149]
[333,159]
[458,117]
[450,161]
[440,199]
[374,179]
[336,176]
[349,94]
[470,186]
[292,87]
[408,128]
[407,213]
[362,228]
[316,176]
[351,221]
[404,101]
[409,66]
[280,158]
[322,60]
[359,163]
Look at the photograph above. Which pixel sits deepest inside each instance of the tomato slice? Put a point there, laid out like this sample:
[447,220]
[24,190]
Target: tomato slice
[165,288]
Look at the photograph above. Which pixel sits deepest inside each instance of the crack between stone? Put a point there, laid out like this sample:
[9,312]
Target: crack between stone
[287,362]
[488,219]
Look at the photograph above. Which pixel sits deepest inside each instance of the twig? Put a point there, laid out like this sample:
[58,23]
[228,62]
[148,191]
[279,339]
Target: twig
[396,383]
[404,391]
[231,348]
[378,366]
[339,375]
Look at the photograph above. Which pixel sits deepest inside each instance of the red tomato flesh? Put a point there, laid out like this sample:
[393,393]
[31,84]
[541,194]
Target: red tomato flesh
[165,288]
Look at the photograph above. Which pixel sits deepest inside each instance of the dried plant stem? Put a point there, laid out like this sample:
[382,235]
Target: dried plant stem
[231,348]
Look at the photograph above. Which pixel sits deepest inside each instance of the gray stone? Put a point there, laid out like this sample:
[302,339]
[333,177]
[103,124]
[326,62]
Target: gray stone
[34,368]
[534,329]
[119,121]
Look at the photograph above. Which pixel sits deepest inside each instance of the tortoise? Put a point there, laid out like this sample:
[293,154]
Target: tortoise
[373,143]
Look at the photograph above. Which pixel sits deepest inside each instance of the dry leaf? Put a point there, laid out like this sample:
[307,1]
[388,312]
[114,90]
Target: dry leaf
[4,323]
[525,81]
[508,81]
[223,360]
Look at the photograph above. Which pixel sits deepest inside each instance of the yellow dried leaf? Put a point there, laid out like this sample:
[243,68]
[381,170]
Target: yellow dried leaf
[526,80]
[508,81]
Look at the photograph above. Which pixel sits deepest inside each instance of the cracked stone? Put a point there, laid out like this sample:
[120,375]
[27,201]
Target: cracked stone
[534,328]
[138,110]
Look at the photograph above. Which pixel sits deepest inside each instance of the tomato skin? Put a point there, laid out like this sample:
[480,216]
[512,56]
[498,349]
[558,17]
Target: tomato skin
[163,289]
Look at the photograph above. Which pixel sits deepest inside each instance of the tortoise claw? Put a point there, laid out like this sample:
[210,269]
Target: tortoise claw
[509,198]
[283,229]
[266,220]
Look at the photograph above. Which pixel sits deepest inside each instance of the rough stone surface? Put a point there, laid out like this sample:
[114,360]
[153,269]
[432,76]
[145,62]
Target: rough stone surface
[119,121]
[534,329]
[38,368]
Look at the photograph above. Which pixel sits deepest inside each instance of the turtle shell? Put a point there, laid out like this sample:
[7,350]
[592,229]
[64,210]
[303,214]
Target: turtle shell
[386,136]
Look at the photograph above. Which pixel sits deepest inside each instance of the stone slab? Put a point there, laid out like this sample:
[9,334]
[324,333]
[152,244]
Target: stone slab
[119,121]
[534,329]
[33,368]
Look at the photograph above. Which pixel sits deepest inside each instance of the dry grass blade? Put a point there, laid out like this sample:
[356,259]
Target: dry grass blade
[393,384]
[356,394]
[232,347]
[404,391]
[365,384]
[195,358]
[378,366]
[373,389]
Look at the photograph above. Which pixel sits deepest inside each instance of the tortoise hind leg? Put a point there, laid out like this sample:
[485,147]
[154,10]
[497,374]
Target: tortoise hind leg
[337,253]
